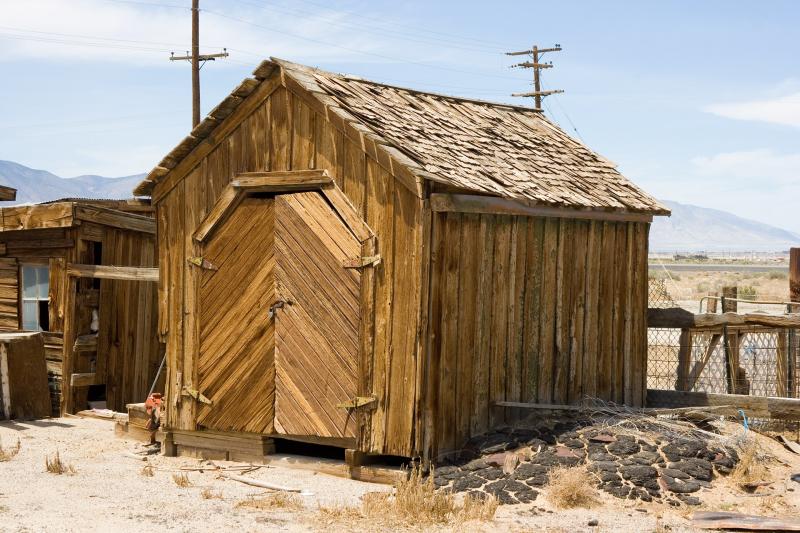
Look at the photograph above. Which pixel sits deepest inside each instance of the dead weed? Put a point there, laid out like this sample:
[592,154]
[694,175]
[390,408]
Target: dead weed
[55,465]
[182,480]
[6,454]
[750,471]
[414,502]
[209,494]
[147,470]
[272,501]
[571,487]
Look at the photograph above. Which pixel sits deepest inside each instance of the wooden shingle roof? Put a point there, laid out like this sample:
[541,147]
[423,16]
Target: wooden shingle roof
[496,149]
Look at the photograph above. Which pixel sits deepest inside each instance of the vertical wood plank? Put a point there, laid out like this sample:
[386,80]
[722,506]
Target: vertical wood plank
[469,282]
[499,310]
[606,313]
[532,315]
[578,311]
[591,350]
[563,310]
[448,384]
[303,134]
[547,333]
[280,122]
[479,422]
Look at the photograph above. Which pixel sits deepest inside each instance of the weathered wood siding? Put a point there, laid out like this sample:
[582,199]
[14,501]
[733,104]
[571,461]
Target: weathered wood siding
[283,132]
[530,309]
[9,293]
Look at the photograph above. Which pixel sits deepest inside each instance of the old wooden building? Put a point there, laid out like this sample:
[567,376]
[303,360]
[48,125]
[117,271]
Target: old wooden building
[59,274]
[381,268]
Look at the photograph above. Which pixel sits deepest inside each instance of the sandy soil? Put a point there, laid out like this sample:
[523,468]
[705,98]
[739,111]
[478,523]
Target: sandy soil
[109,493]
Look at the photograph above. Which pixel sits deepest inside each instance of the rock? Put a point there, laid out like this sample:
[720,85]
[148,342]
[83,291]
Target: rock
[672,472]
[683,449]
[495,459]
[529,470]
[680,487]
[593,522]
[439,482]
[574,443]
[601,457]
[646,458]
[619,492]
[526,496]
[689,500]
[623,448]
[477,464]
[604,466]
[469,481]
[639,474]
[491,473]
[697,468]
[608,476]
[477,495]
[603,437]
[545,458]
[515,486]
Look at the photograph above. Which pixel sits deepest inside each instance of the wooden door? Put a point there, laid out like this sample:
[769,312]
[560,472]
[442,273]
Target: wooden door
[236,366]
[317,329]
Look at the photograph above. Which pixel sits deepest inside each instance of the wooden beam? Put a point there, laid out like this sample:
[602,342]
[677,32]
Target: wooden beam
[493,205]
[225,204]
[115,218]
[290,180]
[794,275]
[729,404]
[679,318]
[84,379]
[112,272]
[8,194]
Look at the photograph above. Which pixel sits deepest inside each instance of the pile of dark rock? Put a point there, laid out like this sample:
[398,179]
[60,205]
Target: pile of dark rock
[646,463]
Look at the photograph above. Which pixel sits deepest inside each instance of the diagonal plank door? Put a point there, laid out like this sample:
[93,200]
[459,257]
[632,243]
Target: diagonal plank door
[317,334]
[236,365]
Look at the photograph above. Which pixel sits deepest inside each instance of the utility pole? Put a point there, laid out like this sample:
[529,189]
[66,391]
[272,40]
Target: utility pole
[536,53]
[195,58]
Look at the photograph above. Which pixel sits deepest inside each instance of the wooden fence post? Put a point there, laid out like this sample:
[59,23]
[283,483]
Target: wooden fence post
[711,303]
[729,305]
[794,296]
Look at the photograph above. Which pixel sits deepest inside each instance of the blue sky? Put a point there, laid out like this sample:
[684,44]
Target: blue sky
[697,102]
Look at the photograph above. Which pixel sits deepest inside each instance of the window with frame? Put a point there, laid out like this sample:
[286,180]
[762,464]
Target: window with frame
[35,297]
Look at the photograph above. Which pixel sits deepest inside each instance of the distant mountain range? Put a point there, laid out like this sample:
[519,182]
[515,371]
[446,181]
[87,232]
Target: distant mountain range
[35,186]
[690,228]
[693,228]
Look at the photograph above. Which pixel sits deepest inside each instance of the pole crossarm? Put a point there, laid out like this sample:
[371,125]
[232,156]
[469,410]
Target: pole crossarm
[536,53]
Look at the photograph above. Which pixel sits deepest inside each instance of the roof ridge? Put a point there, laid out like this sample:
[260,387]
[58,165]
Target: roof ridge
[284,63]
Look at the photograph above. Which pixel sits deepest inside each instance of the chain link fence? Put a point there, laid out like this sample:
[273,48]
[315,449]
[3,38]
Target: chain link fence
[752,360]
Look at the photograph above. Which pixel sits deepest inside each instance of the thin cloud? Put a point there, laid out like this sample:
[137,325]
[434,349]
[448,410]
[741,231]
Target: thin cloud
[761,167]
[102,31]
[784,110]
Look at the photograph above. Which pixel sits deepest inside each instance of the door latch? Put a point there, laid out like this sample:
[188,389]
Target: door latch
[277,305]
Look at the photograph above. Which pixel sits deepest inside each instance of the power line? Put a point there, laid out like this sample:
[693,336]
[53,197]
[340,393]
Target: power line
[357,51]
[371,29]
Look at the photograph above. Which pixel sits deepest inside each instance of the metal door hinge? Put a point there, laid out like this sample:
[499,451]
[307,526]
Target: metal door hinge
[359,402]
[361,262]
[197,395]
[202,262]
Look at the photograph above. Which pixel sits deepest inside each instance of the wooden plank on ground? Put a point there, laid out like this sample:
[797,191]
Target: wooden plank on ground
[753,406]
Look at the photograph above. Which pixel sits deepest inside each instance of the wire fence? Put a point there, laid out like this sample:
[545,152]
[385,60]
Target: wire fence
[752,360]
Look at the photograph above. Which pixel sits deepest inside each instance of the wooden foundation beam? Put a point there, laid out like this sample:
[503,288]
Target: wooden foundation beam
[729,404]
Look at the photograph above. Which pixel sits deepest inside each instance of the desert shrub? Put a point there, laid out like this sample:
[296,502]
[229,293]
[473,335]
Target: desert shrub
[747,292]
[777,274]
[570,487]
[6,454]
[147,470]
[209,494]
[751,468]
[55,465]
[182,480]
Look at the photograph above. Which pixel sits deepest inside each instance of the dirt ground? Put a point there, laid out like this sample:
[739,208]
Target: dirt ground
[108,492]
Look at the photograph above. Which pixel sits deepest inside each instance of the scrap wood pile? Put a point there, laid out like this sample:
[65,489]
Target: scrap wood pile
[631,454]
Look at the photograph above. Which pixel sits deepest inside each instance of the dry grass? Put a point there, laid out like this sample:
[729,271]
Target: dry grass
[147,470]
[750,470]
[6,454]
[55,465]
[182,480]
[209,494]
[272,501]
[415,502]
[571,487]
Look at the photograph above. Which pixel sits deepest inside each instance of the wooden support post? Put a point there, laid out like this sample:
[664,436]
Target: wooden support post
[684,358]
[794,296]
[729,370]
[711,303]
[729,304]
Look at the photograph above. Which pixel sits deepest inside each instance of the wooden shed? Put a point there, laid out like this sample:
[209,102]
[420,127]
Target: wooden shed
[379,268]
[65,270]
